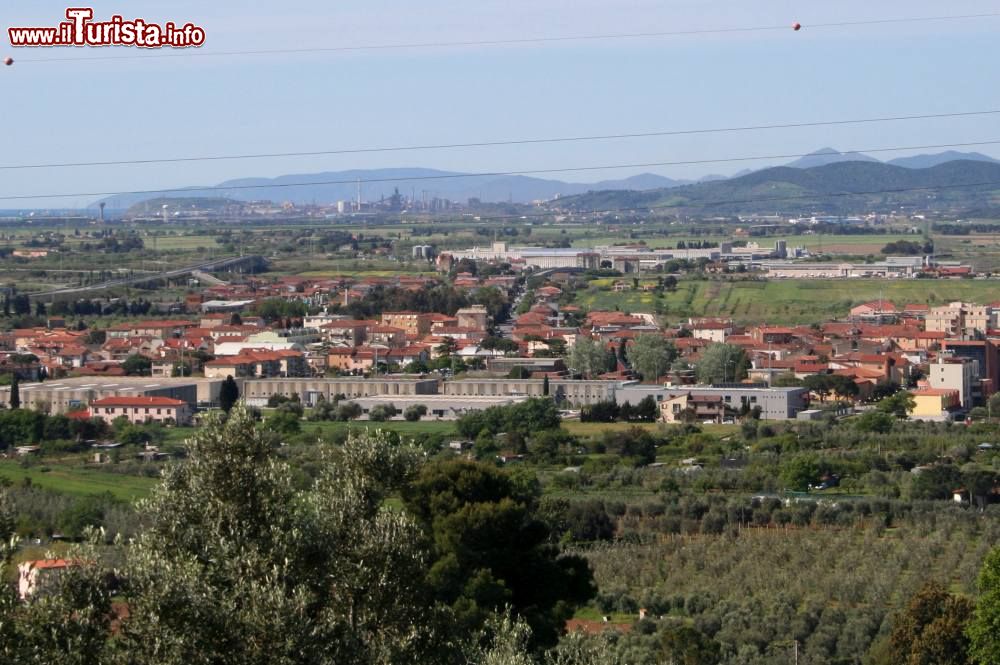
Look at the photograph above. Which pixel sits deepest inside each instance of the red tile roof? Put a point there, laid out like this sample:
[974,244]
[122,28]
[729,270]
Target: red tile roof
[127,400]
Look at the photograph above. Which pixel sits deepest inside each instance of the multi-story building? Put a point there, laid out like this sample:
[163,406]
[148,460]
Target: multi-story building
[956,373]
[947,319]
[475,317]
[960,319]
[934,403]
[686,407]
[774,403]
[390,336]
[986,353]
[412,323]
[141,409]
[258,363]
[349,332]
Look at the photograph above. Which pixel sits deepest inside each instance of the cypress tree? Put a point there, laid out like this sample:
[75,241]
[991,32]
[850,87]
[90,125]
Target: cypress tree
[15,393]
[229,393]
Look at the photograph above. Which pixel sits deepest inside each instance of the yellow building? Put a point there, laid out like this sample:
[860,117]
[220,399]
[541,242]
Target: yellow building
[412,323]
[933,403]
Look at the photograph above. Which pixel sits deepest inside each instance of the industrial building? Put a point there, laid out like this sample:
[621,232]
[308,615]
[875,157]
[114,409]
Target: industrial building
[625,259]
[575,393]
[257,391]
[66,395]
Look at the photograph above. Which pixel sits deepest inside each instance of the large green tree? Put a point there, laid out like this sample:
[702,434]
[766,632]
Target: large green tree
[685,645]
[588,357]
[136,365]
[229,393]
[931,630]
[69,619]
[490,549]
[651,355]
[15,392]
[236,566]
[984,629]
[721,363]
[899,404]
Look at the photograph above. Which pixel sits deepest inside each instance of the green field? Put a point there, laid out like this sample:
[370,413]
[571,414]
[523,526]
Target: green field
[80,482]
[787,301]
[193,242]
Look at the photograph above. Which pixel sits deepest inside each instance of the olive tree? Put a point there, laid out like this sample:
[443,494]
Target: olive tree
[236,566]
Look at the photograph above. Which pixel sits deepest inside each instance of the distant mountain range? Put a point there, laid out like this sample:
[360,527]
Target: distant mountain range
[839,187]
[329,187]
[825,156]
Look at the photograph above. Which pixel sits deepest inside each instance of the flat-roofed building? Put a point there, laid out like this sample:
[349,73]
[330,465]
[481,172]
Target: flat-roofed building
[504,364]
[258,391]
[562,390]
[774,403]
[74,394]
[958,373]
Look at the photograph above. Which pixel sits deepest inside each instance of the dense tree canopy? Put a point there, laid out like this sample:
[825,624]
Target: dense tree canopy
[237,565]
[588,357]
[721,363]
[229,392]
[931,629]
[491,550]
[984,629]
[525,417]
[651,355]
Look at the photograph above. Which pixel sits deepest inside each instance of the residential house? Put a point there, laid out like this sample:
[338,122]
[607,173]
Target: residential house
[34,576]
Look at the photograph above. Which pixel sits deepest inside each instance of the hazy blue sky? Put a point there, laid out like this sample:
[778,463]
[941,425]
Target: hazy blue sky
[72,111]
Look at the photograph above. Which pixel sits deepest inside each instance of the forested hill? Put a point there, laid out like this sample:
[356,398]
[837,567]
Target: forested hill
[834,188]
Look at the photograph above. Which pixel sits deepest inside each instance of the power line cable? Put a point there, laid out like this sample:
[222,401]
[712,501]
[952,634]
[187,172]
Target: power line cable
[508,142]
[448,176]
[514,41]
